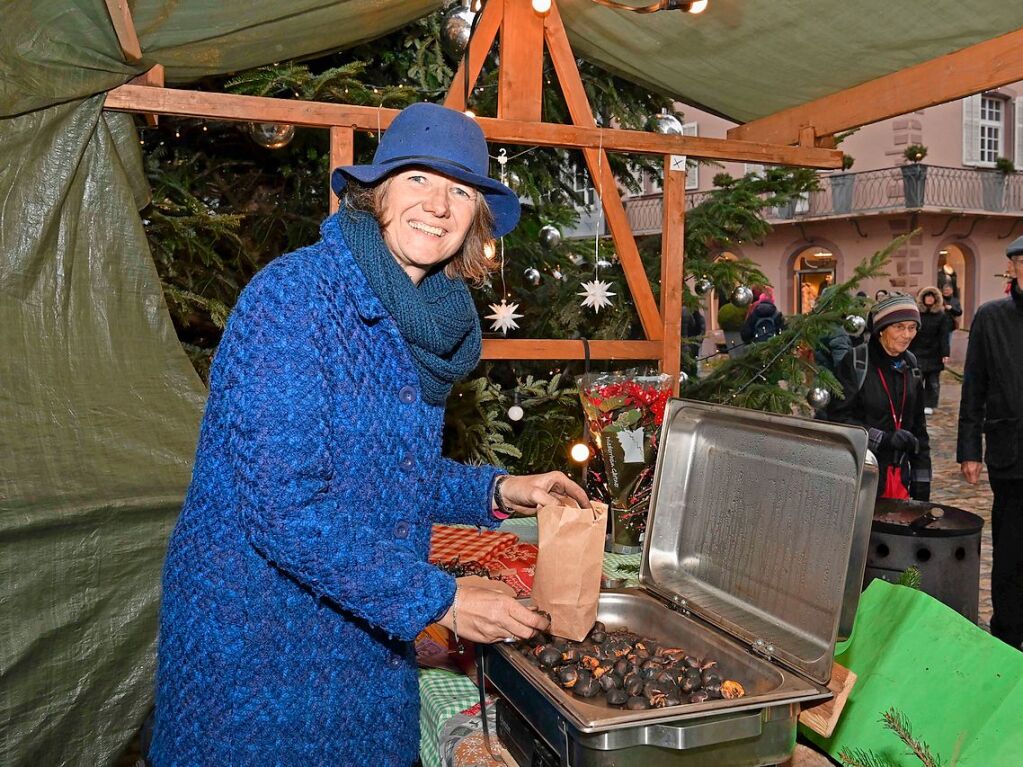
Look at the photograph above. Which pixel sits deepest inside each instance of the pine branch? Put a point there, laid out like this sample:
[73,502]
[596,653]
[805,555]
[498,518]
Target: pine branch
[911,578]
[897,722]
[857,757]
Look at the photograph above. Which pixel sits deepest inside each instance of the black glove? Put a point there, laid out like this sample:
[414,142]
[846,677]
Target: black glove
[901,441]
[920,491]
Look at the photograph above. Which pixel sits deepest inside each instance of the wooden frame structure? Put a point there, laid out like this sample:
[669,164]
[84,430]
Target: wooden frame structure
[523,36]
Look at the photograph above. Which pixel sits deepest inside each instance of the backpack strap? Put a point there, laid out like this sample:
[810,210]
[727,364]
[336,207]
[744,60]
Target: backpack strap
[861,364]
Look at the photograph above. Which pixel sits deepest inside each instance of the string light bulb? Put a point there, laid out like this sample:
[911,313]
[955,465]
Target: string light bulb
[489,250]
[580,452]
[542,7]
[470,113]
[698,6]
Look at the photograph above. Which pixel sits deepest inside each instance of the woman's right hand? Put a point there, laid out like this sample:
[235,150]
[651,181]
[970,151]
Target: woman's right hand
[485,615]
[971,471]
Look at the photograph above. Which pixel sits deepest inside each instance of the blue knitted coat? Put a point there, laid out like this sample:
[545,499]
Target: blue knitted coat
[296,577]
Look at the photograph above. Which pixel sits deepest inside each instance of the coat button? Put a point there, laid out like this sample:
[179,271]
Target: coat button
[401,530]
[407,395]
[407,463]
[394,661]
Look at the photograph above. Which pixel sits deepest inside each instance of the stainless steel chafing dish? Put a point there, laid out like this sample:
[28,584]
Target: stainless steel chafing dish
[754,554]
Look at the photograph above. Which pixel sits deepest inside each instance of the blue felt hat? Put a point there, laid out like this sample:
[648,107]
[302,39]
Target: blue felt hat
[441,139]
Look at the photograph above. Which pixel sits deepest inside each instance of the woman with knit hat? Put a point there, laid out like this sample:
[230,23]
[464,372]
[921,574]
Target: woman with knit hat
[297,578]
[883,394]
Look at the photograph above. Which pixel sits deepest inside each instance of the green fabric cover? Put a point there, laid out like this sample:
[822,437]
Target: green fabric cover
[960,688]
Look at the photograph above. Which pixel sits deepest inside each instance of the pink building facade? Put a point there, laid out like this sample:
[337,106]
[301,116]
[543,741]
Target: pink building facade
[967,211]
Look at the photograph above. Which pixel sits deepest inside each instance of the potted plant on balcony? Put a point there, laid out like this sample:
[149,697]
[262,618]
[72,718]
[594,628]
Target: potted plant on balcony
[842,186]
[993,183]
[730,319]
[914,175]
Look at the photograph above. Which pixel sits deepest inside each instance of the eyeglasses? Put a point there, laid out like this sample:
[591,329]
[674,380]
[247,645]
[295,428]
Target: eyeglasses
[1017,260]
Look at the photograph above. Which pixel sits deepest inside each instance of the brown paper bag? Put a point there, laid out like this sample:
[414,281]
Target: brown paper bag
[568,566]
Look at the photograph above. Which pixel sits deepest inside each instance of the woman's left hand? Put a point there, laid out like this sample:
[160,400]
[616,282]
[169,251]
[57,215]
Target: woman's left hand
[525,494]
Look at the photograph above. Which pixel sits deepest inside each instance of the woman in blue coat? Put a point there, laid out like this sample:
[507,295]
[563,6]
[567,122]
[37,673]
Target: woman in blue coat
[297,577]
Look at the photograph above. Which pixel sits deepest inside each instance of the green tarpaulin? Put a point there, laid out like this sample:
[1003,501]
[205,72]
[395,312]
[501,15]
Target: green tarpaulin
[960,688]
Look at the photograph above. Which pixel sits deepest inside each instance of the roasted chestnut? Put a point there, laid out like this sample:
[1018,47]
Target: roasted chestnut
[549,657]
[616,697]
[731,689]
[637,703]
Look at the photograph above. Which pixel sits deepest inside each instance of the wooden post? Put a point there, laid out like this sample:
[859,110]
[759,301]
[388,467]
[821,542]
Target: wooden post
[520,95]
[342,152]
[672,255]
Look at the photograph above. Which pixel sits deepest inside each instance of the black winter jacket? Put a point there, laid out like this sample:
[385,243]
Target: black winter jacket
[869,407]
[992,399]
[930,345]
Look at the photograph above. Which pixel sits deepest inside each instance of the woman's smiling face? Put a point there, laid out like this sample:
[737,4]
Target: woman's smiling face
[425,218]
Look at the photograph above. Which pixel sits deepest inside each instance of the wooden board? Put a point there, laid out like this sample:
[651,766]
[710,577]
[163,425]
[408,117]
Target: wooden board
[823,717]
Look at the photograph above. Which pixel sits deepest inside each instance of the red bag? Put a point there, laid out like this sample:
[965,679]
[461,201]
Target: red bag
[893,487]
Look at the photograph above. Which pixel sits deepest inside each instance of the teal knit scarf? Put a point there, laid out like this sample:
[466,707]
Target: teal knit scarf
[437,318]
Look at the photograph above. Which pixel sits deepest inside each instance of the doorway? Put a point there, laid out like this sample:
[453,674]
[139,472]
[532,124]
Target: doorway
[815,269]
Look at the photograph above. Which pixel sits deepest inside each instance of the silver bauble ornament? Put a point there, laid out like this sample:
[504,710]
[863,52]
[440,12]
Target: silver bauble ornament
[818,397]
[577,259]
[532,275]
[455,29]
[666,124]
[556,274]
[855,324]
[683,376]
[514,180]
[741,296]
[603,264]
[702,286]
[515,413]
[550,236]
[272,135]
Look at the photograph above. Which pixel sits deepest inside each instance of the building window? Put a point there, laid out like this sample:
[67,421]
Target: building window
[692,167]
[579,178]
[992,123]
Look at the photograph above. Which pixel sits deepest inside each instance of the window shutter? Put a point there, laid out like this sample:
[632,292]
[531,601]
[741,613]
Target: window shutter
[692,167]
[1017,155]
[971,130]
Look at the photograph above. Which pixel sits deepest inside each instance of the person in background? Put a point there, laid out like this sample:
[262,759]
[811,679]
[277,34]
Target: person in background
[297,578]
[763,319]
[991,427]
[953,308]
[930,345]
[885,398]
[879,294]
[694,326]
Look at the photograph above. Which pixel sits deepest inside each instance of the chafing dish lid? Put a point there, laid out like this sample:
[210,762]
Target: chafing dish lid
[751,526]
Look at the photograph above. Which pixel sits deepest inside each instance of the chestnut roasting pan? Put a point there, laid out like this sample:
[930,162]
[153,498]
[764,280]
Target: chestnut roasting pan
[754,554]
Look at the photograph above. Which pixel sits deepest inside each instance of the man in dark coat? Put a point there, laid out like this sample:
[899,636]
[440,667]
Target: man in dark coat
[763,320]
[992,406]
[694,326]
[930,345]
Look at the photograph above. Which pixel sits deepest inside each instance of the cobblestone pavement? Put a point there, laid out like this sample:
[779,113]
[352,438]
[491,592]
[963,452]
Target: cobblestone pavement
[949,487]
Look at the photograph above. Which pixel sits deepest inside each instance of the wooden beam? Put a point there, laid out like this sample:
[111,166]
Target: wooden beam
[520,91]
[318,114]
[603,179]
[974,69]
[124,28]
[556,349]
[152,77]
[342,152]
[672,245]
[479,46]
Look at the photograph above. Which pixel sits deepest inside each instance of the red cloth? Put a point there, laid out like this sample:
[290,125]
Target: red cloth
[466,544]
[515,566]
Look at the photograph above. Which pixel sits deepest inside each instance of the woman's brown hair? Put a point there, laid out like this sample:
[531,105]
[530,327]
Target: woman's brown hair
[470,262]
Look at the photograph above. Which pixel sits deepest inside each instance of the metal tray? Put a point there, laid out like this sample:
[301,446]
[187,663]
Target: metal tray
[640,612]
[759,524]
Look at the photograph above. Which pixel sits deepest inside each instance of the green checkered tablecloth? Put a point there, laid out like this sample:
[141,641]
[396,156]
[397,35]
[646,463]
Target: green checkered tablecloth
[443,694]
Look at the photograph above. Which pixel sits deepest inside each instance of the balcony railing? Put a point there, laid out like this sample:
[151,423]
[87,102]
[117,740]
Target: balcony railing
[844,194]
